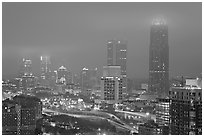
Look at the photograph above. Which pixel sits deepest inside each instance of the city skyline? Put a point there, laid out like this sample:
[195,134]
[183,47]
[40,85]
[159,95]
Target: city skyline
[69,35]
[101,69]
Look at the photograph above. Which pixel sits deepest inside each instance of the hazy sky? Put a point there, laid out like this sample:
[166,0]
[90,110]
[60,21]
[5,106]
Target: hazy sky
[75,35]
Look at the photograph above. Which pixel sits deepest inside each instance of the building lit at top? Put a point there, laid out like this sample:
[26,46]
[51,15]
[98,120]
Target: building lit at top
[159,58]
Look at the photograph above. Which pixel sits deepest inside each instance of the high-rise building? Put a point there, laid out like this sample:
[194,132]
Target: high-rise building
[111,84]
[186,109]
[84,79]
[76,81]
[26,68]
[26,75]
[64,75]
[45,67]
[19,115]
[93,78]
[117,56]
[10,120]
[162,115]
[159,58]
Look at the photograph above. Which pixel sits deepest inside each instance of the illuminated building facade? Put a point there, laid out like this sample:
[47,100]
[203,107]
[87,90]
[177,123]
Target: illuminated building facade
[186,110]
[117,56]
[111,84]
[162,115]
[159,58]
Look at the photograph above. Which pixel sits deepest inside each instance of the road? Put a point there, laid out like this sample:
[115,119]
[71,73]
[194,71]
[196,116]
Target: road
[94,114]
[144,115]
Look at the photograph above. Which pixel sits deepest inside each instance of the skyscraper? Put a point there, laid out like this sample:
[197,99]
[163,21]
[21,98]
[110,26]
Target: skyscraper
[45,67]
[117,56]
[159,58]
[84,79]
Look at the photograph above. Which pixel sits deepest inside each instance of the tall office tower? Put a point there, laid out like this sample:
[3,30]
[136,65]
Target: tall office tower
[20,115]
[111,84]
[117,56]
[84,79]
[45,67]
[186,109]
[26,68]
[159,58]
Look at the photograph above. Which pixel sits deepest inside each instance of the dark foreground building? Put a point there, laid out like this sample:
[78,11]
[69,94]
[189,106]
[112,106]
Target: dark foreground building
[19,115]
[186,111]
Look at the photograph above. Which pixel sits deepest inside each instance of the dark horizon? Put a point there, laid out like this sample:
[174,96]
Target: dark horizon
[75,35]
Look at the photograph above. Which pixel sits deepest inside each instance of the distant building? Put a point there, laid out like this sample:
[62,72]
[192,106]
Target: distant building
[26,68]
[186,110]
[28,82]
[76,81]
[84,80]
[26,77]
[159,58]
[117,56]
[93,79]
[89,79]
[111,84]
[64,75]
[12,85]
[19,115]
[45,67]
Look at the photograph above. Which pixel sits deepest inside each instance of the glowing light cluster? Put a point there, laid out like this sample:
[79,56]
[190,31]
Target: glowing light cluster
[159,21]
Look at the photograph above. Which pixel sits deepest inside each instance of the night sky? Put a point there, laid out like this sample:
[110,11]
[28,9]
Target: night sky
[75,35]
